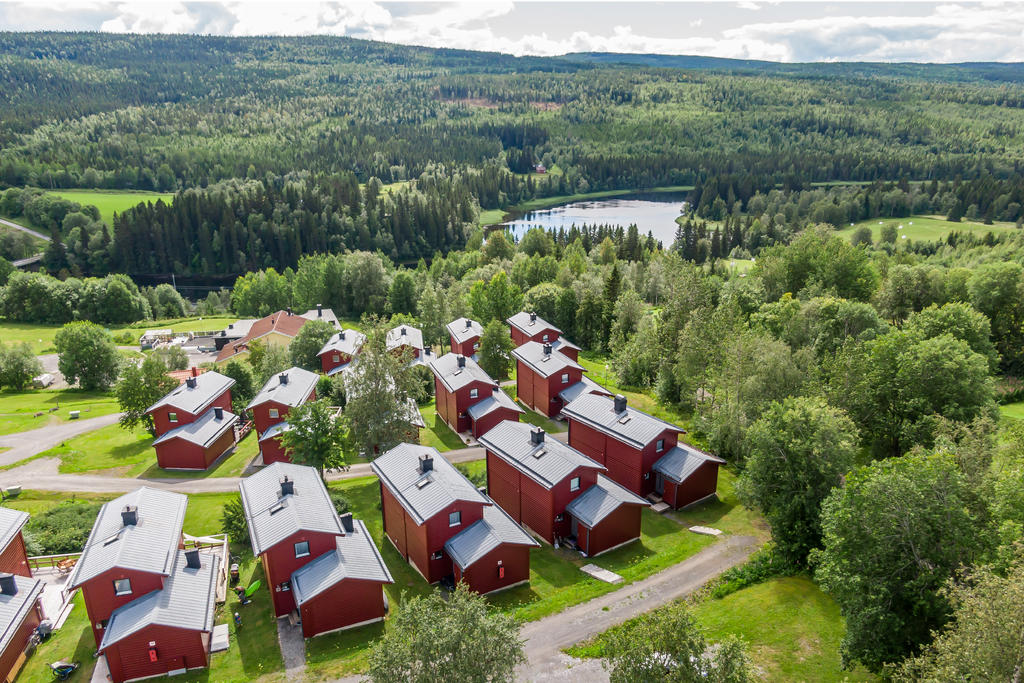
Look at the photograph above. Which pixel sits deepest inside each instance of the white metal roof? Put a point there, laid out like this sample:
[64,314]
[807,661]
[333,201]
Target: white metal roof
[631,426]
[584,386]
[423,495]
[347,342]
[600,500]
[544,364]
[464,329]
[522,321]
[15,608]
[497,399]
[547,463]
[293,392]
[11,522]
[208,386]
[452,376]
[484,535]
[405,335]
[681,461]
[355,556]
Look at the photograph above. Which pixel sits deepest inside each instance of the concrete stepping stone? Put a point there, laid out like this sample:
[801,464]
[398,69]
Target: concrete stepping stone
[661,507]
[219,641]
[706,530]
[601,574]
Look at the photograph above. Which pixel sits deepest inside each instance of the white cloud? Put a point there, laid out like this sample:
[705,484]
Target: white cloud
[942,32]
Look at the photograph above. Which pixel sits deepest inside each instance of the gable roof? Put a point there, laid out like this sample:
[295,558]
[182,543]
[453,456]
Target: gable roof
[681,461]
[600,500]
[203,431]
[484,535]
[292,393]
[15,608]
[324,314]
[272,517]
[151,545]
[563,343]
[355,556]
[446,368]
[633,427]
[584,386]
[11,522]
[547,463]
[423,495]
[209,385]
[347,342]
[522,321]
[404,335]
[186,601]
[497,399]
[464,329]
[281,322]
[544,364]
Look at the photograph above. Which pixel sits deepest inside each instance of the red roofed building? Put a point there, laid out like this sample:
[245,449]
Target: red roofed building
[277,329]
[270,407]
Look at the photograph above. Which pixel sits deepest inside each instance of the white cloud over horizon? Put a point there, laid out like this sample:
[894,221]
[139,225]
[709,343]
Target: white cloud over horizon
[788,32]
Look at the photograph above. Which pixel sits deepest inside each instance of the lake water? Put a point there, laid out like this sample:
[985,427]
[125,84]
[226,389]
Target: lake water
[653,212]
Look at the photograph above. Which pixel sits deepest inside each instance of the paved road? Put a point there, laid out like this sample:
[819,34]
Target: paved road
[24,229]
[26,444]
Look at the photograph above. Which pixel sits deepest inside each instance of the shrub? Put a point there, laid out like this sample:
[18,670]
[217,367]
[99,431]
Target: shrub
[340,504]
[233,522]
[61,529]
[765,564]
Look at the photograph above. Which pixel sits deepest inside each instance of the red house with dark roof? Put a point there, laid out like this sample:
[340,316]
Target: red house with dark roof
[526,327]
[465,336]
[459,385]
[542,373]
[324,565]
[444,526]
[270,407]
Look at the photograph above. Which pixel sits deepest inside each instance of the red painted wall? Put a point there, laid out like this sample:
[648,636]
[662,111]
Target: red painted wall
[182,454]
[273,451]
[351,601]
[163,425]
[100,600]
[619,527]
[452,405]
[176,649]
[261,413]
[626,465]
[487,422]
[482,575]
[520,337]
[279,562]
[542,394]
[16,646]
[14,558]
[328,362]
[698,485]
[466,347]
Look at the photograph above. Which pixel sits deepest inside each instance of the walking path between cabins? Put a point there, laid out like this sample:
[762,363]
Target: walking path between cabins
[43,475]
[26,444]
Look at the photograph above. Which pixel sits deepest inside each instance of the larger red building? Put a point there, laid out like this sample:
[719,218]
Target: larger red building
[13,557]
[150,603]
[270,407]
[640,451]
[542,374]
[324,565]
[193,424]
[459,385]
[465,336]
[444,526]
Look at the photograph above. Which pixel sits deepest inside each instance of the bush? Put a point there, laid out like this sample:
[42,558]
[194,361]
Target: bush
[126,338]
[61,529]
[765,564]
[478,477]
[232,521]
[174,357]
[340,504]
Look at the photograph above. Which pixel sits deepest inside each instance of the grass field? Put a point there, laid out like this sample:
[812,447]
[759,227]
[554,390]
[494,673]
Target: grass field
[18,408]
[40,337]
[927,228]
[1014,411]
[437,433]
[111,202]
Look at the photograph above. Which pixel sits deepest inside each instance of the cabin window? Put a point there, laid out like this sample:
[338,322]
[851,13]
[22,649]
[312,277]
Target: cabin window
[574,484]
[454,518]
[473,393]
[660,446]
[565,378]
[476,345]
[337,358]
[274,412]
[172,417]
[302,549]
[122,587]
[545,337]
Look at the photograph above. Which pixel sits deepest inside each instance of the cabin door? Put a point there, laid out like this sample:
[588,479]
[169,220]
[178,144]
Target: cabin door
[659,484]
[574,528]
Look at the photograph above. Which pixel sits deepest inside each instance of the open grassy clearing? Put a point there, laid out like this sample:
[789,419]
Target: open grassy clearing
[791,628]
[1014,411]
[927,228]
[110,202]
[40,337]
[437,433]
[18,408]
[599,368]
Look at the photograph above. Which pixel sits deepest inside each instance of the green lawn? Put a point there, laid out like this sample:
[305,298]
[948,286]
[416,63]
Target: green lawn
[534,418]
[437,433]
[40,337]
[199,324]
[740,265]
[113,201]
[1014,411]
[18,408]
[230,466]
[725,513]
[792,629]
[73,641]
[928,228]
[38,502]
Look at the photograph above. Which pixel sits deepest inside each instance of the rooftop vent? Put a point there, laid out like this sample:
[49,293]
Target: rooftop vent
[547,349]
[191,382]
[231,326]
[319,310]
[289,310]
[346,522]
[218,413]
[426,462]
[8,584]
[469,323]
[283,377]
[277,508]
[533,318]
[620,403]
[541,453]
[403,331]
[536,435]
[422,482]
[130,515]
[461,361]
[287,487]
[192,559]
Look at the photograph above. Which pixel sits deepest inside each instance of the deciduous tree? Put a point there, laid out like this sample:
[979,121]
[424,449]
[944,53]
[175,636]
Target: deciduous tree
[308,342]
[18,366]
[315,436]
[140,387]
[495,352]
[86,354]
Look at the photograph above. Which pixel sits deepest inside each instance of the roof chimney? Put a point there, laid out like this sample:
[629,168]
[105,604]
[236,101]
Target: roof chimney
[620,403]
[469,323]
[231,326]
[283,377]
[289,310]
[461,361]
[195,371]
[341,335]
[426,462]
[190,382]
[536,436]
[218,413]
[346,522]
[192,559]
[319,310]
[130,515]
[533,317]
[547,349]
[403,331]
[8,584]
[287,487]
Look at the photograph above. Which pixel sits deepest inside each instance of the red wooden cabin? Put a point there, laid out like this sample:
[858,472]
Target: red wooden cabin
[496,408]
[685,476]
[406,339]
[526,327]
[458,384]
[465,336]
[429,508]
[198,444]
[190,401]
[13,557]
[270,407]
[339,351]
[313,559]
[20,613]
[605,517]
[542,374]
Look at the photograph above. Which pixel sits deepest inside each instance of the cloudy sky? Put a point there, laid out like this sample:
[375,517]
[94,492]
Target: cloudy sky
[780,31]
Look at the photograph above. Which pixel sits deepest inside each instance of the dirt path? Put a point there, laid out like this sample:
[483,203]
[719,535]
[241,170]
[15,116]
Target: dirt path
[26,444]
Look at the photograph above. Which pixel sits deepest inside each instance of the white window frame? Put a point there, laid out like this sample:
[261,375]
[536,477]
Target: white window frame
[336,358]
[659,446]
[574,484]
[172,417]
[127,591]
[544,337]
[274,413]
[473,393]
[297,553]
[456,516]
[565,378]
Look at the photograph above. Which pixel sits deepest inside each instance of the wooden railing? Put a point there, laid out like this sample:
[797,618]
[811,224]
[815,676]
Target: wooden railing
[242,429]
[49,561]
